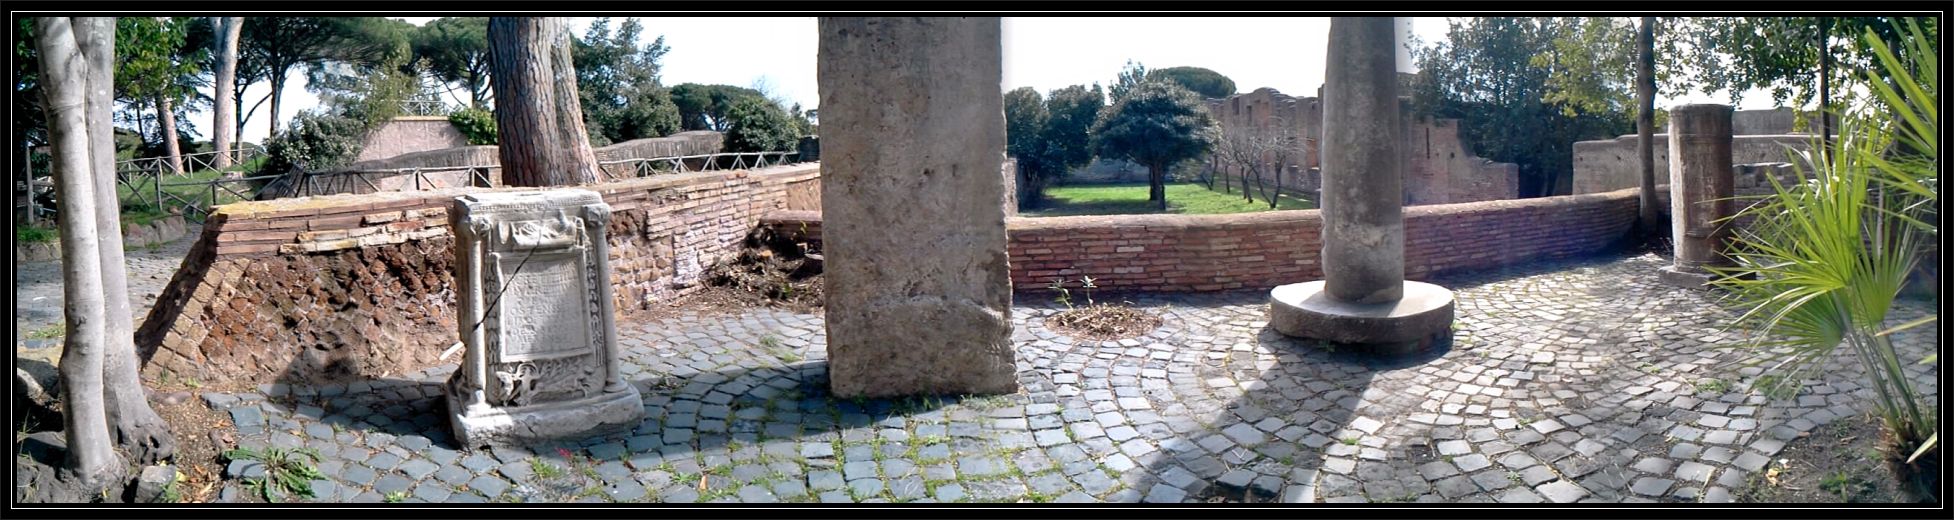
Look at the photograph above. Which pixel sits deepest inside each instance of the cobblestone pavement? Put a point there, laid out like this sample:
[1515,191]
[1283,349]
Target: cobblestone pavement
[1575,382]
[37,293]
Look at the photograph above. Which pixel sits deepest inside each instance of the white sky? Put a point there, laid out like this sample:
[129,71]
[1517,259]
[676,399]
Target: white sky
[1284,53]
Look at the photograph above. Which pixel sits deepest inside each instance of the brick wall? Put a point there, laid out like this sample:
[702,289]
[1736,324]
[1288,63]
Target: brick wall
[360,286]
[1262,250]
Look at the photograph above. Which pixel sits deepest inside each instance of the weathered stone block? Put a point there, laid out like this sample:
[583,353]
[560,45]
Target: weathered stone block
[919,293]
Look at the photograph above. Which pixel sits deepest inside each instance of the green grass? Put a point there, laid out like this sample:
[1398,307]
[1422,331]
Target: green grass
[24,234]
[144,195]
[1182,198]
[49,332]
[140,214]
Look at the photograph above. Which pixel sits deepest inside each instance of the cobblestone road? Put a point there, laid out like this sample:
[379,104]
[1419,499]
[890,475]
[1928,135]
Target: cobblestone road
[1576,382]
[37,295]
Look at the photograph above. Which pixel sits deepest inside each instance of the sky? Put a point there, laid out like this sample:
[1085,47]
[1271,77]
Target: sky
[1284,53]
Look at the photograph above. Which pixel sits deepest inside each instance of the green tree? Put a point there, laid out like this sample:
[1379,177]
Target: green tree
[704,107]
[156,67]
[29,120]
[1025,120]
[1796,58]
[1049,136]
[1209,84]
[1071,112]
[315,141]
[1157,124]
[1129,78]
[272,46]
[1491,74]
[456,51]
[758,125]
[475,123]
[617,83]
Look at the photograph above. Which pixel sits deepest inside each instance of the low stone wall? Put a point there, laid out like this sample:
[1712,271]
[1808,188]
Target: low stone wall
[37,251]
[349,287]
[1266,249]
[697,142]
[409,134]
[1604,166]
[158,231]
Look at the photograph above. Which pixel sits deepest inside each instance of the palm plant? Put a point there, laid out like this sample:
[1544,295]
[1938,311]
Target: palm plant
[1827,255]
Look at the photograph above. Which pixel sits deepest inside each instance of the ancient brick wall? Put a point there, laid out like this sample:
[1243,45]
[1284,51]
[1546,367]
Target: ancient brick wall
[1265,249]
[1262,250]
[346,287]
[1439,166]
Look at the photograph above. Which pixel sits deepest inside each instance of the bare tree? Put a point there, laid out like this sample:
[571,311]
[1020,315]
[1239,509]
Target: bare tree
[138,430]
[538,117]
[92,462]
[1258,150]
[228,30]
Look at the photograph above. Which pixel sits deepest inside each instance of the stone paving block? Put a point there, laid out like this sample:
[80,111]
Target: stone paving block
[1561,491]
[1471,463]
[1519,495]
[1692,471]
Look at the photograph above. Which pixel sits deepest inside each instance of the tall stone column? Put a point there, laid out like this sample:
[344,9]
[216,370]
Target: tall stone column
[918,285]
[1363,181]
[1701,184]
[1363,299]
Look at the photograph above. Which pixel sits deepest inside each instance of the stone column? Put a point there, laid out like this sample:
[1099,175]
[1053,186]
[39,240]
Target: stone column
[919,289]
[1363,300]
[1363,183]
[1701,184]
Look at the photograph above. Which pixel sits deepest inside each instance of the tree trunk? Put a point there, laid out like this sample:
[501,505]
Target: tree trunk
[1157,186]
[170,144]
[1825,81]
[137,430]
[225,83]
[537,115]
[1647,215]
[92,461]
[1247,195]
[1278,191]
[277,88]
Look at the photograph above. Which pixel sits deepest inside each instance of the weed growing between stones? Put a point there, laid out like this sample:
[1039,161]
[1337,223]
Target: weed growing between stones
[1098,321]
[286,471]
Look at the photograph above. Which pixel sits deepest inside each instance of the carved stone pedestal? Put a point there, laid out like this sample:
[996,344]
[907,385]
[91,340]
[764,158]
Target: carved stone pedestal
[533,275]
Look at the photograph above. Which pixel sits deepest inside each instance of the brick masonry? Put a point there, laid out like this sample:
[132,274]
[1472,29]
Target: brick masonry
[346,287]
[1261,250]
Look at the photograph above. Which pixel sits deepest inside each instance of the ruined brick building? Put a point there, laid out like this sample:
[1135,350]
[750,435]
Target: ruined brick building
[1439,167]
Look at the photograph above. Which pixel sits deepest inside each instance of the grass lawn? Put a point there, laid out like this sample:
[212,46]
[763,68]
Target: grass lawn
[1120,199]
[190,186]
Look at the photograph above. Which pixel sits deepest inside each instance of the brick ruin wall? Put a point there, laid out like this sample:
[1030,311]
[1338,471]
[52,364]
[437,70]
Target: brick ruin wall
[1179,253]
[346,287]
[1439,166]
